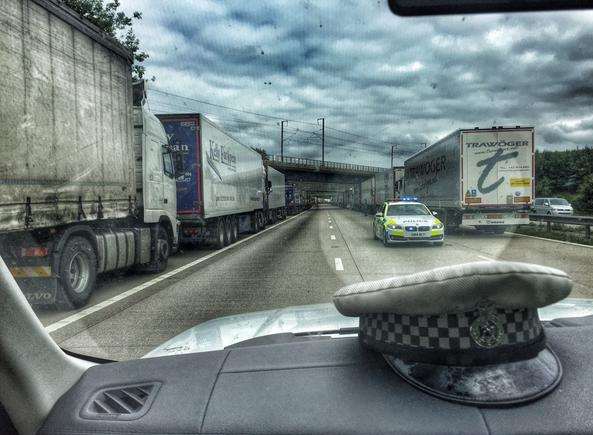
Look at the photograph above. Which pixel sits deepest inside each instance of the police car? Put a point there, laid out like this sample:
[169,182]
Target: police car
[407,220]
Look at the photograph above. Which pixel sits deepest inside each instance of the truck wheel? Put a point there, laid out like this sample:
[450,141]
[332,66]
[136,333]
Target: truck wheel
[261,220]
[77,270]
[235,229]
[219,237]
[162,248]
[228,231]
[253,223]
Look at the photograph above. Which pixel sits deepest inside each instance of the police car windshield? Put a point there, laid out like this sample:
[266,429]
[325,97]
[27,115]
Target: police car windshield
[407,210]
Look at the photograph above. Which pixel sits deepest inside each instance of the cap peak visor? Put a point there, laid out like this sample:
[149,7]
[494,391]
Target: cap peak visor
[487,385]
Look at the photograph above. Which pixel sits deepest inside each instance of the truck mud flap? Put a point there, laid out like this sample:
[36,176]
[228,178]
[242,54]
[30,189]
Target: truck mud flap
[39,291]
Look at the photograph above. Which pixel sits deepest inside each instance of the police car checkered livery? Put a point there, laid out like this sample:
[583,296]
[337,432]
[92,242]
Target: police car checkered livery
[407,220]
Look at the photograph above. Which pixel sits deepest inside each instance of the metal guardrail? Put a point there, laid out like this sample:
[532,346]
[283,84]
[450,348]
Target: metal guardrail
[585,221]
[312,163]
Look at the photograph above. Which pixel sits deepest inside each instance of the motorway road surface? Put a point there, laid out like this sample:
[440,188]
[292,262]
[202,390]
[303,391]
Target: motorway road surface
[303,260]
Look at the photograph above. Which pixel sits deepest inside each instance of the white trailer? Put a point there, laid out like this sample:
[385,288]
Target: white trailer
[86,179]
[222,190]
[276,194]
[478,177]
[383,186]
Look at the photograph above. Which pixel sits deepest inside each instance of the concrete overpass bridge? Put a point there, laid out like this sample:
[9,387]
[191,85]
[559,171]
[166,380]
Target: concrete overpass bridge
[323,178]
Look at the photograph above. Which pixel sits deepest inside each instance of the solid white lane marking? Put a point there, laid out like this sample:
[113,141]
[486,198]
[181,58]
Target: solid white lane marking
[549,240]
[486,258]
[82,314]
[339,265]
[332,237]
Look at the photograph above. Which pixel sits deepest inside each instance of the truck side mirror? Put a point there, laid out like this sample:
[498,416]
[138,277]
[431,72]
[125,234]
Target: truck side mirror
[178,163]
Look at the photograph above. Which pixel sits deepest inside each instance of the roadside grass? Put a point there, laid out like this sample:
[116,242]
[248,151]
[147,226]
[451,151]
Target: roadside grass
[566,233]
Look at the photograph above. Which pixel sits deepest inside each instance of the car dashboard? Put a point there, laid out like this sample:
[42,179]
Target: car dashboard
[314,385]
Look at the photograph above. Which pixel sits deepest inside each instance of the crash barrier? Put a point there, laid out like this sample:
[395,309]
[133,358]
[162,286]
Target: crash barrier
[585,221]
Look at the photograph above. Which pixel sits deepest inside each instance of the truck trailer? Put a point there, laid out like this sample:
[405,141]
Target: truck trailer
[275,204]
[382,186]
[87,182]
[224,189]
[478,177]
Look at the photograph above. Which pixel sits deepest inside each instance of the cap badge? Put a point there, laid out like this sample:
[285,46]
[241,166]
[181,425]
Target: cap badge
[486,330]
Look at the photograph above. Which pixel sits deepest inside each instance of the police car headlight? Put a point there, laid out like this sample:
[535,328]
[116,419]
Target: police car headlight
[438,226]
[394,227]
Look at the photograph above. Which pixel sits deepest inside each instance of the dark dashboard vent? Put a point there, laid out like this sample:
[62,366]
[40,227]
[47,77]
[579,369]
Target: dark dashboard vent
[127,402]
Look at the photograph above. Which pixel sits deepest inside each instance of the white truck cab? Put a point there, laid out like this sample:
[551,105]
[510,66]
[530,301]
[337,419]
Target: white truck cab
[155,173]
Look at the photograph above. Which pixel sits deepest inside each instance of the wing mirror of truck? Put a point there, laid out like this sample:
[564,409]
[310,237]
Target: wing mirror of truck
[178,163]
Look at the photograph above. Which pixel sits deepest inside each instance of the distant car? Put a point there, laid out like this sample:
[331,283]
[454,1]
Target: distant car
[404,221]
[552,206]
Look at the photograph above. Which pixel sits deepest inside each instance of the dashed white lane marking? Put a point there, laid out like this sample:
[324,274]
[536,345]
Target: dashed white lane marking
[88,311]
[339,265]
[485,258]
[332,237]
[331,228]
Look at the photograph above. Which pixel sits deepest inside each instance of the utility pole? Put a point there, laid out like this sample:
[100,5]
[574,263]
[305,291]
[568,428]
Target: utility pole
[393,148]
[322,140]
[282,140]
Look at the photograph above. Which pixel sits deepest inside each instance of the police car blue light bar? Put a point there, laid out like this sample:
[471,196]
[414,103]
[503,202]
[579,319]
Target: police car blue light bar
[411,198]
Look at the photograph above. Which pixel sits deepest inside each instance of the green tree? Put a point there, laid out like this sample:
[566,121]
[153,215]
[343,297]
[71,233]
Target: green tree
[543,187]
[116,24]
[585,193]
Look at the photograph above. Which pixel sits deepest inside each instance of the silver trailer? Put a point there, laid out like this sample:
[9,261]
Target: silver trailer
[83,172]
[276,194]
[478,177]
[383,186]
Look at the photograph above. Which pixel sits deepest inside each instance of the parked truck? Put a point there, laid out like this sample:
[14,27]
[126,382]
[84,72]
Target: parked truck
[225,188]
[478,177]
[382,186]
[87,182]
[275,200]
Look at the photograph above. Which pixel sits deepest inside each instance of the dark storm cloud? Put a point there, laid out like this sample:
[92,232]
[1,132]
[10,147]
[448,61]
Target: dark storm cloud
[388,80]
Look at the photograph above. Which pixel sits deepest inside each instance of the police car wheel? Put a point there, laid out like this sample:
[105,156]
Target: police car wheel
[374,232]
[385,239]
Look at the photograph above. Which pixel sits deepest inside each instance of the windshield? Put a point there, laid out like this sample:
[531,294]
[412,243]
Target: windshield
[407,210]
[195,160]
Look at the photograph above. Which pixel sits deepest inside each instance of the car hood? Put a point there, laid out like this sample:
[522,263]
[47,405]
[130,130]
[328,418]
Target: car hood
[219,333]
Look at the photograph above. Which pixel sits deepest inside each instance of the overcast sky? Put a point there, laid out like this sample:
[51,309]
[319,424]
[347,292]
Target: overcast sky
[386,79]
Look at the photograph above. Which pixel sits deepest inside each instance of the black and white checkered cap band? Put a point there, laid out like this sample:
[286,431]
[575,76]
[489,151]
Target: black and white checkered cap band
[396,333]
